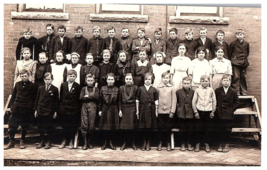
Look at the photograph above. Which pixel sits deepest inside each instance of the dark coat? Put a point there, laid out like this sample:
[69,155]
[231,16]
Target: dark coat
[104,69]
[208,45]
[46,102]
[116,47]
[96,46]
[239,53]
[120,71]
[171,50]
[226,48]
[126,45]
[46,44]
[80,48]
[184,104]
[56,46]
[191,48]
[226,103]
[30,43]
[41,69]
[136,43]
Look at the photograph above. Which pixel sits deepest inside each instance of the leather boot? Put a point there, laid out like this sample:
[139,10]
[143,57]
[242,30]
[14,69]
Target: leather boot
[10,144]
[182,147]
[144,146]
[71,146]
[63,144]
[90,146]
[169,146]
[85,142]
[40,145]
[207,147]
[21,144]
[123,145]
[197,147]
[220,149]
[111,145]
[105,145]
[48,145]
[226,148]
[134,146]
[189,147]
[148,147]
[159,146]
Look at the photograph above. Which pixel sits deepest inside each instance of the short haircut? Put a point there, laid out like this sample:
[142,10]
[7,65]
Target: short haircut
[62,52]
[186,79]
[50,25]
[226,76]
[161,53]
[27,30]
[158,30]
[203,77]
[106,51]
[61,27]
[75,53]
[25,49]
[89,54]
[203,29]
[42,53]
[128,74]
[24,71]
[96,28]
[125,29]
[111,28]
[219,47]
[173,30]
[90,75]
[78,28]
[148,74]
[202,48]
[220,31]
[70,72]
[111,75]
[166,73]
[48,74]
[240,31]
[141,29]
[188,30]
[122,51]
[142,50]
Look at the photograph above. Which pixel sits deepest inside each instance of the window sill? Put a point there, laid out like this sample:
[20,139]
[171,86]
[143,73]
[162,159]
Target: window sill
[199,20]
[119,17]
[40,15]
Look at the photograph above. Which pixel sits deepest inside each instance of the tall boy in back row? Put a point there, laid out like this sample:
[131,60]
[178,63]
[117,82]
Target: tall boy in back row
[203,40]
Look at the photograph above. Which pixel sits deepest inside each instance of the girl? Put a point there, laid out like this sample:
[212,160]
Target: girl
[159,68]
[105,67]
[148,104]
[108,110]
[218,67]
[199,67]
[129,110]
[41,68]
[220,42]
[122,68]
[27,64]
[179,67]
[140,67]
[58,70]
[74,66]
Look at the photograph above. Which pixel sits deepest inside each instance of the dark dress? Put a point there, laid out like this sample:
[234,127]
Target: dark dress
[108,104]
[127,104]
[41,69]
[104,69]
[120,70]
[147,116]
[138,71]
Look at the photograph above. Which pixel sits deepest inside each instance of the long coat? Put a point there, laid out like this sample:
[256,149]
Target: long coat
[226,103]
[184,104]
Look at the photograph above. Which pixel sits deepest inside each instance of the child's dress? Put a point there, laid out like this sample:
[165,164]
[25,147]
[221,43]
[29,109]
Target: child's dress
[157,71]
[139,70]
[58,71]
[77,68]
[179,69]
[41,69]
[29,65]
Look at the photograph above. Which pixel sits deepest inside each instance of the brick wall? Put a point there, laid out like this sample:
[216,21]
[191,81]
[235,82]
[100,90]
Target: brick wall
[247,18]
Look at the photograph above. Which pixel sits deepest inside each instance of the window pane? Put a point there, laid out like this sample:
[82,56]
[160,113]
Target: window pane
[194,9]
[34,6]
[108,7]
[53,6]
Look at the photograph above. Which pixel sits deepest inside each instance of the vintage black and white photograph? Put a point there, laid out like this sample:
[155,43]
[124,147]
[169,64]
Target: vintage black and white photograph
[120,84]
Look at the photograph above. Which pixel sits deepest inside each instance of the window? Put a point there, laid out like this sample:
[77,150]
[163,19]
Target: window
[121,9]
[43,7]
[196,11]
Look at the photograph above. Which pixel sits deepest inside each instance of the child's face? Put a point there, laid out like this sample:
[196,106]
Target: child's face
[148,80]
[226,82]
[48,80]
[240,36]
[106,57]
[129,80]
[78,33]
[24,77]
[74,59]
[111,33]
[201,55]
[89,59]
[42,58]
[59,57]
[26,55]
[181,50]
[158,35]
[49,30]
[219,53]
[166,79]
[90,81]
[110,81]
[159,58]
[27,35]
[71,78]
[141,34]
[125,33]
[142,55]
[173,35]
[220,36]
[96,33]
[186,84]
[61,32]
[204,82]
[202,33]
[189,36]
[122,57]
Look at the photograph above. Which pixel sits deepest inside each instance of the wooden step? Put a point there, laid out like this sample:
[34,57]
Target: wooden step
[175,130]
[245,111]
[246,130]
[246,97]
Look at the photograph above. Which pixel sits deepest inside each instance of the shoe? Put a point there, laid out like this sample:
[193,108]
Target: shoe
[21,144]
[104,146]
[197,147]
[220,149]
[207,148]
[40,145]
[189,147]
[63,144]
[85,142]
[84,146]
[148,147]
[48,145]
[159,146]
[169,146]
[111,145]
[182,147]
[71,146]
[226,148]
[143,146]
[123,145]
[134,146]
[10,144]
[90,146]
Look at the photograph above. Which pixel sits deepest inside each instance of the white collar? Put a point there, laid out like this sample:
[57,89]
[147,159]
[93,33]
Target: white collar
[139,63]
[147,87]
[220,60]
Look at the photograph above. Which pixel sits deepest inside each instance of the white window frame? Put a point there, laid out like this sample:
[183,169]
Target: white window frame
[219,11]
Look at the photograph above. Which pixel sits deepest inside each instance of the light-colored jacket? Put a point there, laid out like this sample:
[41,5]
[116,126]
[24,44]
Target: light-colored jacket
[204,99]
[167,99]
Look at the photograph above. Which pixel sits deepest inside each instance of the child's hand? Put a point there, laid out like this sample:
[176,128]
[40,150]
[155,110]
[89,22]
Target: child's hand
[100,113]
[51,61]
[85,96]
[171,115]
[35,113]
[197,115]
[68,56]
[120,113]
[212,115]
[137,114]
[55,115]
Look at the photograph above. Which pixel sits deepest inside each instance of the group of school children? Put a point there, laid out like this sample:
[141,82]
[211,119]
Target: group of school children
[129,83]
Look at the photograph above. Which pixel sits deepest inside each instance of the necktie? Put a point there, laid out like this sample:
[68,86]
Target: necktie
[110,46]
[46,88]
[47,42]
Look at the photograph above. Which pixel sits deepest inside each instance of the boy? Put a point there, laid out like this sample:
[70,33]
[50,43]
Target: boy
[140,43]
[185,113]
[157,45]
[104,68]
[203,40]
[227,103]
[172,46]
[239,52]
[112,44]
[46,106]
[79,44]
[89,96]
[70,108]
[204,106]
[21,109]
[126,43]
[59,42]
[220,42]
[45,41]
[96,45]
[89,68]
[190,43]
[28,41]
